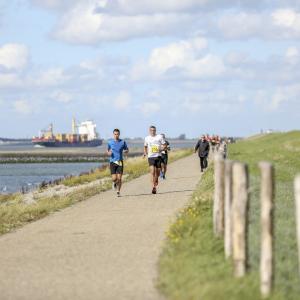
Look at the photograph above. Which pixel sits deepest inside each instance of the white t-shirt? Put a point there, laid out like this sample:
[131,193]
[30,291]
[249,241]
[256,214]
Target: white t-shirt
[154,145]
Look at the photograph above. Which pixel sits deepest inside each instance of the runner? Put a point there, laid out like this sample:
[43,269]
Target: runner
[153,146]
[164,158]
[115,148]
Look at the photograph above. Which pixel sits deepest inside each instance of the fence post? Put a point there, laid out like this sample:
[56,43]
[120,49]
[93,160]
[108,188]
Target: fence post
[227,209]
[239,218]
[297,202]
[267,200]
[218,209]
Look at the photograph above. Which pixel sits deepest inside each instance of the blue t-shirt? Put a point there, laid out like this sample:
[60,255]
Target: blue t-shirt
[117,148]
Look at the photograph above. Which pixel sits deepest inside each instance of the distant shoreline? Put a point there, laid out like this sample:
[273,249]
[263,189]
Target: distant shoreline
[20,154]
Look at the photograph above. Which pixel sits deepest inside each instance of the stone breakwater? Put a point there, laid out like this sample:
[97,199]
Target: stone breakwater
[56,157]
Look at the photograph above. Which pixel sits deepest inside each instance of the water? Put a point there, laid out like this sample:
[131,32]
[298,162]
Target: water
[15,176]
[175,144]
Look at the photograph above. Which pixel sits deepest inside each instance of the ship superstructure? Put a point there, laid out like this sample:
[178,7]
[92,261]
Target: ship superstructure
[83,134]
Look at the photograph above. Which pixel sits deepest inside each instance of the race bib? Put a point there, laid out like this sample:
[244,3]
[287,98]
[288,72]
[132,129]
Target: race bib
[154,149]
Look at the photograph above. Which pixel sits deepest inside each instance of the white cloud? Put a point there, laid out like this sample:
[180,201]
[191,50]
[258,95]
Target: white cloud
[83,25]
[182,59]
[176,54]
[55,4]
[207,67]
[50,77]
[218,100]
[14,56]
[97,21]
[10,80]
[238,25]
[272,24]
[22,107]
[274,100]
[153,6]
[292,55]
[157,6]
[122,101]
[287,22]
[61,96]
[149,108]
[292,52]
[235,58]
[286,18]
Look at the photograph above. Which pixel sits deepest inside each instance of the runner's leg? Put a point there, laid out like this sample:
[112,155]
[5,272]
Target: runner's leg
[119,180]
[114,180]
[157,172]
[165,166]
[152,175]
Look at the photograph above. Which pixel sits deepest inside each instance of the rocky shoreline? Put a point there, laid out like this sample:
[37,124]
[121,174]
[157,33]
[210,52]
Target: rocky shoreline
[56,157]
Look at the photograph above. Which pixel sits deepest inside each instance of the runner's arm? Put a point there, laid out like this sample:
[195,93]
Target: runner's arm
[108,151]
[126,150]
[164,147]
[145,151]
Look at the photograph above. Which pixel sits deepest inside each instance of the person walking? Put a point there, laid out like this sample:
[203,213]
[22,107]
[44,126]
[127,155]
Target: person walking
[202,147]
[115,149]
[153,146]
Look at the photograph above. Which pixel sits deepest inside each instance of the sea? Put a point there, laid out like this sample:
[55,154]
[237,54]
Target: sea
[17,177]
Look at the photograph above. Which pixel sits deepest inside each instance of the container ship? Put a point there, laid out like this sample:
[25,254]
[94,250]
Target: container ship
[83,135]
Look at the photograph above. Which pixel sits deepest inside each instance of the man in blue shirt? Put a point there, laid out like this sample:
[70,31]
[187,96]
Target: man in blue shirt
[115,149]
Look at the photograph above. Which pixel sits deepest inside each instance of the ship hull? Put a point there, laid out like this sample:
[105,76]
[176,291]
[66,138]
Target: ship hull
[94,143]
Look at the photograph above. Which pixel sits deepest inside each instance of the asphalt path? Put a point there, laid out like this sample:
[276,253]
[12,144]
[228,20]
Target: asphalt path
[102,248]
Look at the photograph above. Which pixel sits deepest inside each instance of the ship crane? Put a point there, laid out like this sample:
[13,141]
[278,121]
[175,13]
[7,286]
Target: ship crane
[48,132]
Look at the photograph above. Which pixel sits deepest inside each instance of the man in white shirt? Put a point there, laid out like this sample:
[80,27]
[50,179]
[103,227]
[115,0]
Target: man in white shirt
[153,146]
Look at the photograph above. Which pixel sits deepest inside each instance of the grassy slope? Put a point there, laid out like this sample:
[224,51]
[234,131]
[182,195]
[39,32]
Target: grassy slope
[14,212]
[192,264]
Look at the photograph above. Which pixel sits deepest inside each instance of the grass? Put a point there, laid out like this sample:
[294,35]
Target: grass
[192,265]
[15,213]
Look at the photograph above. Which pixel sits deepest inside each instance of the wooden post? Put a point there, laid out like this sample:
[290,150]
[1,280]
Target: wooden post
[267,200]
[239,218]
[218,209]
[297,200]
[227,209]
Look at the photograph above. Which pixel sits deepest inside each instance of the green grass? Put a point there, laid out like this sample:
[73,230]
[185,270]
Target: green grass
[192,265]
[15,213]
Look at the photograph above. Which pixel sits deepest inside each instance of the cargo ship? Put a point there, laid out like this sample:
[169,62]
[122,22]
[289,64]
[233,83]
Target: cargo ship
[83,135]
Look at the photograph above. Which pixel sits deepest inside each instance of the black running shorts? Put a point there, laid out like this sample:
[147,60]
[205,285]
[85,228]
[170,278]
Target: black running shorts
[155,161]
[164,159]
[116,168]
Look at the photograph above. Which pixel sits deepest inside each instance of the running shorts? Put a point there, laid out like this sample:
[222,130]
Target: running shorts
[116,168]
[155,161]
[164,159]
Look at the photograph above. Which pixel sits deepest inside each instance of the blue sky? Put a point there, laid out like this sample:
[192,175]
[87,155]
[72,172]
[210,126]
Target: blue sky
[193,66]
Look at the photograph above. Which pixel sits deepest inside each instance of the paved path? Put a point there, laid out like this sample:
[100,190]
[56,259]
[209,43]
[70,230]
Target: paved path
[102,248]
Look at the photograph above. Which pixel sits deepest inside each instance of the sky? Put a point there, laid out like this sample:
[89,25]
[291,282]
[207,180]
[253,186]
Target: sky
[227,67]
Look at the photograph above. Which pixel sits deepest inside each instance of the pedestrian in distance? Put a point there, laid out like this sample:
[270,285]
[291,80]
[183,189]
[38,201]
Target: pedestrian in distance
[164,158]
[202,147]
[153,146]
[115,149]
[224,148]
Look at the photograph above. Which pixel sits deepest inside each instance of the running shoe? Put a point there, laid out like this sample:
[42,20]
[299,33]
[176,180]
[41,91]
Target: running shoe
[154,190]
[114,186]
[118,194]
